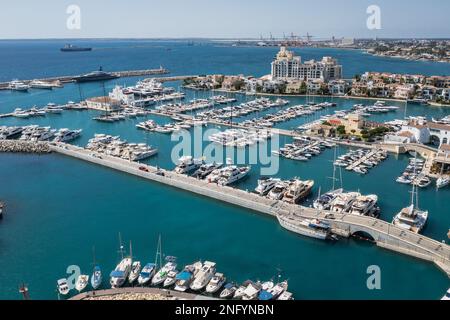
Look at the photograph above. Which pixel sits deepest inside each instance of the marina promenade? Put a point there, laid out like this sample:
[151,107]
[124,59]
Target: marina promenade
[382,233]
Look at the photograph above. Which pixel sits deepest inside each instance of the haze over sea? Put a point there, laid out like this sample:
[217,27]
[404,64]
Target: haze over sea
[58,207]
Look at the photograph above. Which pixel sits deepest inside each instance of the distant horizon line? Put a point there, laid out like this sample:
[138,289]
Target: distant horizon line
[219,38]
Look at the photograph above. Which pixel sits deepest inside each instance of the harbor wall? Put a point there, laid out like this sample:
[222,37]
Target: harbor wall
[383,233]
[24,146]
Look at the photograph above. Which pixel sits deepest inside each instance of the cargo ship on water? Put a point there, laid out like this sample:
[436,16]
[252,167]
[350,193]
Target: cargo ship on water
[73,48]
[99,75]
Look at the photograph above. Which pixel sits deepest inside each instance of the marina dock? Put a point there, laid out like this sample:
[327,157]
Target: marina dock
[139,293]
[384,234]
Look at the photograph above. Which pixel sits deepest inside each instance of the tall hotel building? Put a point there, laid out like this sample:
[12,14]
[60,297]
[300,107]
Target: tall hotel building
[287,66]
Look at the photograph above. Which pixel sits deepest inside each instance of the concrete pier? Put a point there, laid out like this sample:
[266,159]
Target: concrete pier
[139,293]
[384,234]
[120,74]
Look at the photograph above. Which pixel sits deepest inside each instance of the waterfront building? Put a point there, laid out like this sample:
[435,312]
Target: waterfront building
[103,104]
[338,87]
[404,91]
[288,66]
[439,133]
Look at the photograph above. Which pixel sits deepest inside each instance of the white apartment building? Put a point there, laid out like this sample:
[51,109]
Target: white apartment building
[288,66]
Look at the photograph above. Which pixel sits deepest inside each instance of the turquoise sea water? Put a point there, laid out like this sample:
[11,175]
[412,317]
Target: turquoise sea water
[58,207]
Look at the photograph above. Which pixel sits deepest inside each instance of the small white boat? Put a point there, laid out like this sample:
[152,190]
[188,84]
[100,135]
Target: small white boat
[265,184]
[147,273]
[82,282]
[446,295]
[228,291]
[63,287]
[216,283]
[442,182]
[171,278]
[135,271]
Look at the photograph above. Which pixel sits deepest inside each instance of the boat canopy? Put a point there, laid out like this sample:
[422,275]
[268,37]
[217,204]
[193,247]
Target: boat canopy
[264,295]
[117,274]
[185,275]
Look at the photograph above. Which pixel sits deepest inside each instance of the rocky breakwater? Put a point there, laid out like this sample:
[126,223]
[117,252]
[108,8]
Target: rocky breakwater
[24,146]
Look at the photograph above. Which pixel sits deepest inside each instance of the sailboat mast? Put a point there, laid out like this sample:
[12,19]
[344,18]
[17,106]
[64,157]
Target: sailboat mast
[120,245]
[158,252]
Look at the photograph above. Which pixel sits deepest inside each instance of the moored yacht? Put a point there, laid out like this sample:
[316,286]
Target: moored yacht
[134,272]
[228,291]
[365,206]
[82,282]
[120,274]
[187,164]
[63,286]
[412,218]
[206,169]
[324,201]
[66,135]
[343,202]
[216,283]
[265,184]
[311,228]
[162,273]
[442,182]
[278,191]
[203,276]
[232,175]
[297,190]
[147,273]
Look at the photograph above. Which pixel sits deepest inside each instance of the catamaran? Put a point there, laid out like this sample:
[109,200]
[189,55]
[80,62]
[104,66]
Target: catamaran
[412,218]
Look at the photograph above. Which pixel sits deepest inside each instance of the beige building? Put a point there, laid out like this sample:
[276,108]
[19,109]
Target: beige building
[288,66]
[103,104]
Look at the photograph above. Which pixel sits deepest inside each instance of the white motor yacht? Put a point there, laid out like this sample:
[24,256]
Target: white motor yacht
[162,273]
[134,272]
[324,201]
[203,277]
[82,282]
[343,202]
[278,191]
[146,273]
[232,175]
[63,286]
[265,184]
[216,283]
[187,164]
[364,205]
[120,274]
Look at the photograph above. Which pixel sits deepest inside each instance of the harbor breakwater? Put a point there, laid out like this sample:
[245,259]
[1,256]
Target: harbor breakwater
[17,146]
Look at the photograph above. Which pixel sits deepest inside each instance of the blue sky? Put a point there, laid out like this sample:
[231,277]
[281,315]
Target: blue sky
[225,18]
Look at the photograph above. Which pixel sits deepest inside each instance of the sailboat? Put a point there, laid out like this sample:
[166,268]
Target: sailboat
[96,278]
[323,202]
[412,218]
[120,274]
[135,269]
[163,270]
